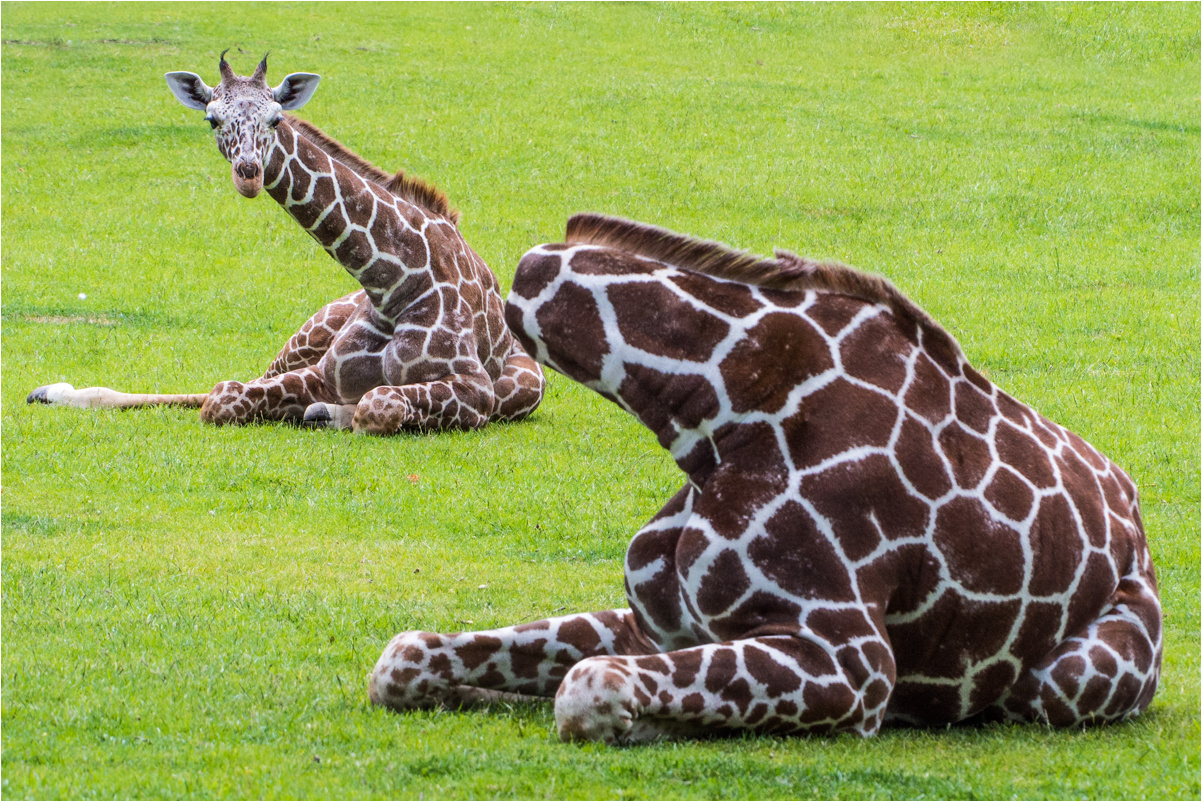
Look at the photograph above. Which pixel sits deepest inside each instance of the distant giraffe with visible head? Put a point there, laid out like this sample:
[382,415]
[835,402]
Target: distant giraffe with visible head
[871,531]
[423,345]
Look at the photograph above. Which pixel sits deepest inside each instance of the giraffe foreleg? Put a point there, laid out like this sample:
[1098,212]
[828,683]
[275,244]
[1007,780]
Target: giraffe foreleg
[520,387]
[772,684]
[1109,672]
[462,401]
[277,398]
[422,670]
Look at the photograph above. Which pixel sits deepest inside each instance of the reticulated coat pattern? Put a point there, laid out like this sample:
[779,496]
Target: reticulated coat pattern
[870,530]
[422,346]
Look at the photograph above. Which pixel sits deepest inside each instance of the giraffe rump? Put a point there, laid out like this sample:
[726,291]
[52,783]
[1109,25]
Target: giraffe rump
[788,271]
[410,188]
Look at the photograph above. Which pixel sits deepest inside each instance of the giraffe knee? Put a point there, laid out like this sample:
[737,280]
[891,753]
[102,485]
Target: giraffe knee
[404,677]
[595,702]
[1094,686]
[381,411]
[228,403]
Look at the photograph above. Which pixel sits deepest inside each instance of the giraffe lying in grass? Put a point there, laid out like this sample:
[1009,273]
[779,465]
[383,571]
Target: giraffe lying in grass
[870,530]
[422,346]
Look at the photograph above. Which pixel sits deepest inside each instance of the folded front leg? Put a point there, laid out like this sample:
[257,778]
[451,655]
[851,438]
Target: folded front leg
[461,401]
[774,684]
[281,397]
[422,670]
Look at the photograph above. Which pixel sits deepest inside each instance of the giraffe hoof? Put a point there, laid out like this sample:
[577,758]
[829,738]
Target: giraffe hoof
[329,416]
[318,416]
[49,394]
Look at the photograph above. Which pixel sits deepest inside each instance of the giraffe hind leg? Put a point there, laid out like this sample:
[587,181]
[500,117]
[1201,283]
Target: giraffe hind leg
[276,398]
[1107,673]
[313,339]
[520,387]
[771,684]
[424,670]
[65,395]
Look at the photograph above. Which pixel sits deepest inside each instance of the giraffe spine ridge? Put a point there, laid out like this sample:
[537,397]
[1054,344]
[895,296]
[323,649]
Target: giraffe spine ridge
[787,271]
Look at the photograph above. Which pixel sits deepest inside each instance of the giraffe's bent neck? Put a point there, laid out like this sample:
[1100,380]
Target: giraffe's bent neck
[379,238]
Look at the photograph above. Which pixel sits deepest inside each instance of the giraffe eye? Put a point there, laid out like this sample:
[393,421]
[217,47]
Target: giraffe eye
[275,121]
[211,120]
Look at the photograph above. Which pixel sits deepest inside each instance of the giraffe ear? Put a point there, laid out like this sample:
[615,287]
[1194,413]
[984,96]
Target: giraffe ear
[189,89]
[295,90]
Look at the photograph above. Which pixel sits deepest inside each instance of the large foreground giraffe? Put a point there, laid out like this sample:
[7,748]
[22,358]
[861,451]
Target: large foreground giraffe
[871,531]
[423,345]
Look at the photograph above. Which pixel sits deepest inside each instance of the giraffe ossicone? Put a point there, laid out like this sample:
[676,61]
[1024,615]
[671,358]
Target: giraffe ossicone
[870,531]
[422,346]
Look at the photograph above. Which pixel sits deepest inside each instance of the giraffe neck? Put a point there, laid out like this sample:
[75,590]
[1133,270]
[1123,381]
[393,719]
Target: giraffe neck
[685,416]
[378,238]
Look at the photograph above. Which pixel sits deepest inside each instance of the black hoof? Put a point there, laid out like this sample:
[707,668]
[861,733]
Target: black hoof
[316,416]
[38,396]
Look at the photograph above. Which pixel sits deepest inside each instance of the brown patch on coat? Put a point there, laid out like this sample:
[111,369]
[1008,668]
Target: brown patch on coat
[952,634]
[930,392]
[838,417]
[982,555]
[919,460]
[776,355]
[534,272]
[572,319]
[1009,494]
[1057,548]
[799,559]
[974,408]
[834,315]
[969,455]
[875,353]
[989,684]
[723,583]
[654,319]
[864,500]
[730,299]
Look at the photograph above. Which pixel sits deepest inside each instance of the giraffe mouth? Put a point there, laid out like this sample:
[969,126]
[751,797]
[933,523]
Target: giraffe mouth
[248,178]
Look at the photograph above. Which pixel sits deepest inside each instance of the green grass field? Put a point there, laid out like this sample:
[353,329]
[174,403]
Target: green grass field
[191,611]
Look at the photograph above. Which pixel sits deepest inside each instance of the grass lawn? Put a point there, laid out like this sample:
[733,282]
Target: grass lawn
[191,611]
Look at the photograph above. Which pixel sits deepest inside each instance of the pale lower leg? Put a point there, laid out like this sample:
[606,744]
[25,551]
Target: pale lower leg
[65,395]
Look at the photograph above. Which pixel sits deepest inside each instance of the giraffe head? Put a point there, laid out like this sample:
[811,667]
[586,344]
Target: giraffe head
[243,113]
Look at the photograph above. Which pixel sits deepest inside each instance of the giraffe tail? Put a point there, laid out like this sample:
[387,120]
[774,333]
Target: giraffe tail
[64,395]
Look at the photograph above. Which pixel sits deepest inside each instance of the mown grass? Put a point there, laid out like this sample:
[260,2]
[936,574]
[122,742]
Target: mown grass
[190,612]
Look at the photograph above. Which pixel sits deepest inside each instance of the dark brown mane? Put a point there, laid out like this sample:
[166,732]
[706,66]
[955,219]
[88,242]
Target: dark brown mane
[407,187]
[786,272]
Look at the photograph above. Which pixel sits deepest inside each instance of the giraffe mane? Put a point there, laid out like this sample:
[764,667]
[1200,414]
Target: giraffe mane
[408,187]
[788,271]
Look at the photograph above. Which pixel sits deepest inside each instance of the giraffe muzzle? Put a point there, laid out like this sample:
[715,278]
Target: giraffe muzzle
[248,178]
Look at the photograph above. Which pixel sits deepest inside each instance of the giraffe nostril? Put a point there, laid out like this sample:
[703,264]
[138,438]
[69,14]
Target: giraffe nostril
[248,170]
